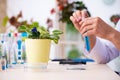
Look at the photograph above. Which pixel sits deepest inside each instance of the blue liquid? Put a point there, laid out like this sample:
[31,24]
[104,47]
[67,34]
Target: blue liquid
[87,43]
[19,44]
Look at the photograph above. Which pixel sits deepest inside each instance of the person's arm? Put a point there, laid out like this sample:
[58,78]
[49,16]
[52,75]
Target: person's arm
[103,51]
[115,38]
[97,27]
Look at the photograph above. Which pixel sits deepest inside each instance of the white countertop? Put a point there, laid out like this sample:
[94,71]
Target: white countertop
[62,72]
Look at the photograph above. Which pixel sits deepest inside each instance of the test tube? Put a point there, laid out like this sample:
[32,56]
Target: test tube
[19,51]
[87,41]
[3,63]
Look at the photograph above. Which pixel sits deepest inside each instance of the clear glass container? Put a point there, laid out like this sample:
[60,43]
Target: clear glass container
[35,67]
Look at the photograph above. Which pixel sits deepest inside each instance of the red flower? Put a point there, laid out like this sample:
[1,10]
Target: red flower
[115,18]
[61,7]
[52,11]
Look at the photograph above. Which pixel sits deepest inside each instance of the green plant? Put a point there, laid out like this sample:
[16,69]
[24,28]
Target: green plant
[66,9]
[14,20]
[74,53]
[35,31]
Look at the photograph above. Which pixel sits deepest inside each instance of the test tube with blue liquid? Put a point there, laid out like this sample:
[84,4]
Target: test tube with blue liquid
[3,63]
[19,52]
[87,41]
[20,47]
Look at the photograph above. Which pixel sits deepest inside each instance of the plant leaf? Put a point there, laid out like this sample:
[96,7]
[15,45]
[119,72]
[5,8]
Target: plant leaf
[5,20]
[22,28]
[57,32]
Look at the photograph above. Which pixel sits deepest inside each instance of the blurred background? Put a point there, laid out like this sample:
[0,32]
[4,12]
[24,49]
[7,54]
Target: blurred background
[54,14]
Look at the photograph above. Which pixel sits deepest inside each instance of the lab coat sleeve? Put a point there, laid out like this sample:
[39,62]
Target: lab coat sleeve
[103,51]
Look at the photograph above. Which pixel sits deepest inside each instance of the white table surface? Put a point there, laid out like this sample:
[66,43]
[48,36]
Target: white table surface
[60,72]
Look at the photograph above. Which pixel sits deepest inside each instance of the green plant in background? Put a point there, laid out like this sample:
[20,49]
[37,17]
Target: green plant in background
[74,53]
[70,28]
[66,9]
[35,31]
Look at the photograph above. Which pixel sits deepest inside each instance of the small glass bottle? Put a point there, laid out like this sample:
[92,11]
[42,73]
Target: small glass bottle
[3,63]
[0,64]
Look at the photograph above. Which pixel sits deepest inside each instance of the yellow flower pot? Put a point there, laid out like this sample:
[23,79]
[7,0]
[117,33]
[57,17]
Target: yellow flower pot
[37,50]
